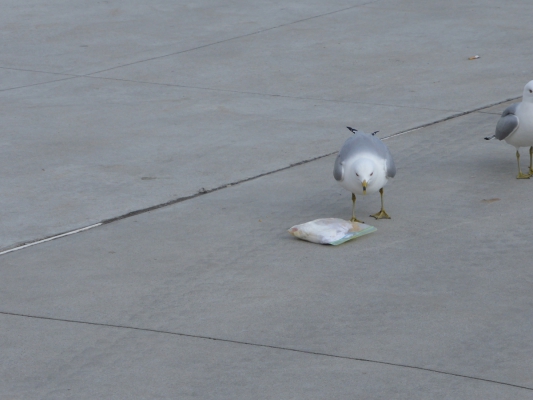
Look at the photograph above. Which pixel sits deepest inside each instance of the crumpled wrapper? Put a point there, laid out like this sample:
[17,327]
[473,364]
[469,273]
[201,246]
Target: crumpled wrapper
[330,231]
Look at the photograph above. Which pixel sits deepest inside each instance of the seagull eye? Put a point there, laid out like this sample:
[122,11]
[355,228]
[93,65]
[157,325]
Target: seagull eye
[530,91]
[371,174]
[356,174]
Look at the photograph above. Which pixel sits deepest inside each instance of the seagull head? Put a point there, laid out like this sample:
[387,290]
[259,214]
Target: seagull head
[528,92]
[364,171]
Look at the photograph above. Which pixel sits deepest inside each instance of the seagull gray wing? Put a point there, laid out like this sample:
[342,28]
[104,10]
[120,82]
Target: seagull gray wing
[391,167]
[338,169]
[383,151]
[508,122]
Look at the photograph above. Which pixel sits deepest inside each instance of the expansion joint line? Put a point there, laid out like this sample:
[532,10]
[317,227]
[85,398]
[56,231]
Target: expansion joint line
[453,116]
[49,238]
[239,342]
[203,191]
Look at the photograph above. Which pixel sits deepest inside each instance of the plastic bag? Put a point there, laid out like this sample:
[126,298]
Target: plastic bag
[330,230]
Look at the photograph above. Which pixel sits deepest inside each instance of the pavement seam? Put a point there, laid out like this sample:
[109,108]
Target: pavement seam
[202,191]
[39,72]
[494,113]
[284,96]
[232,38]
[47,239]
[309,352]
[41,83]
[457,115]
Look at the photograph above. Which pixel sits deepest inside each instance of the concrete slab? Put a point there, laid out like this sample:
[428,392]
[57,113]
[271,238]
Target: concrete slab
[102,148]
[85,37]
[210,297]
[97,362]
[97,145]
[445,293]
[74,153]
[399,56]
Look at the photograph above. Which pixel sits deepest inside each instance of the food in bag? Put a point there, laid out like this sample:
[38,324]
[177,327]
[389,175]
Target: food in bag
[330,230]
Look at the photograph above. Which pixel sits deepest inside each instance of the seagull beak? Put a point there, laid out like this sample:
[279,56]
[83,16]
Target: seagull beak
[364,186]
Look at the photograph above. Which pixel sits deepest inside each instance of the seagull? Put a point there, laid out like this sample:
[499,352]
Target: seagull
[516,127]
[364,165]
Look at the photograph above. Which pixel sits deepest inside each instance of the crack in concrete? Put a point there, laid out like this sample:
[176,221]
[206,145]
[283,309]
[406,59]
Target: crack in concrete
[239,342]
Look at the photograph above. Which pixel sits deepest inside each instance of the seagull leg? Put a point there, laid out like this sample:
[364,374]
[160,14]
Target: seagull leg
[382,213]
[530,161]
[353,219]
[520,174]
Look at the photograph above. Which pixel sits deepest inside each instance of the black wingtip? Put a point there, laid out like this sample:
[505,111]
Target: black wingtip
[373,133]
[351,129]
[489,137]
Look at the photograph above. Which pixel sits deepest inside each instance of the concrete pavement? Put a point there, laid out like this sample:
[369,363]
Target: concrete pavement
[109,109]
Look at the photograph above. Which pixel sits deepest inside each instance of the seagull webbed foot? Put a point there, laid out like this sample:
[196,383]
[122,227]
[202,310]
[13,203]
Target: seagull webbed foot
[381,215]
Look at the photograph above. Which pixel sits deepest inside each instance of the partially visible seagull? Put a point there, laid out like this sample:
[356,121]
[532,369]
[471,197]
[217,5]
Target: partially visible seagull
[516,127]
[364,165]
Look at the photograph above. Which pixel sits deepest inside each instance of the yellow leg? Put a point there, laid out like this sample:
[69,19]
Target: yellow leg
[382,214]
[520,174]
[530,161]
[353,219]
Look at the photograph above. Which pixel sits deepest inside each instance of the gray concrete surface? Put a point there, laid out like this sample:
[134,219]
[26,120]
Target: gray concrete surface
[109,108]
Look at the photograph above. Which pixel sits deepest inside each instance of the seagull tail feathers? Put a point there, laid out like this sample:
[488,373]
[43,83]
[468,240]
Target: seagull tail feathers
[353,130]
